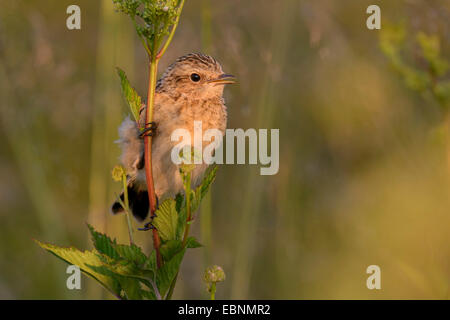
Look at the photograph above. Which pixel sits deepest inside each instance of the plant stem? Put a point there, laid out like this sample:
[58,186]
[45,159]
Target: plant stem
[188,210]
[153,67]
[213,291]
[127,208]
[155,288]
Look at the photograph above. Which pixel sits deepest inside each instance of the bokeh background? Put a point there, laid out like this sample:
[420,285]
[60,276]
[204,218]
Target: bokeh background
[364,151]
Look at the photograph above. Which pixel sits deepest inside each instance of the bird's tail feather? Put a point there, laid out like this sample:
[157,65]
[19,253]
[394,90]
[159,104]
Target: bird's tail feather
[138,201]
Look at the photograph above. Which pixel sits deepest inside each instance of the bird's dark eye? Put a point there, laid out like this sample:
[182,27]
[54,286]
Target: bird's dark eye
[195,77]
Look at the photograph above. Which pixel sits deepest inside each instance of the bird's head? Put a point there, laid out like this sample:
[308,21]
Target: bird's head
[195,75]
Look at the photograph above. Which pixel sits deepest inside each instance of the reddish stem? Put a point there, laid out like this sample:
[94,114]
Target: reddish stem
[148,156]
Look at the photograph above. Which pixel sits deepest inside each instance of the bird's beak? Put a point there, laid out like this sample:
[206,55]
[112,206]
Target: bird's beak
[224,79]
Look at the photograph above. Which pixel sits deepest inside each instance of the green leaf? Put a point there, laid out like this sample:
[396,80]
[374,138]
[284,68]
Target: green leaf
[131,287]
[149,295]
[179,199]
[203,189]
[84,260]
[182,215]
[133,99]
[150,263]
[193,243]
[129,284]
[115,251]
[168,272]
[103,243]
[207,181]
[196,198]
[166,220]
[131,253]
[124,268]
[170,248]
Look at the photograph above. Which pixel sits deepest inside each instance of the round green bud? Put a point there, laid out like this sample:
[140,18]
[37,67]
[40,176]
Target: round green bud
[214,274]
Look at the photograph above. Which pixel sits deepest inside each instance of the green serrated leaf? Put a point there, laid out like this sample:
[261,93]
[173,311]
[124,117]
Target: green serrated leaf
[132,97]
[115,251]
[203,189]
[166,274]
[193,243]
[150,263]
[129,284]
[170,248]
[124,268]
[166,220]
[182,214]
[179,201]
[131,253]
[103,243]
[84,259]
[132,288]
[196,197]
[207,181]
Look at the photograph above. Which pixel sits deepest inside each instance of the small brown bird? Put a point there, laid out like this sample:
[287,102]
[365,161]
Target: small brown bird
[190,90]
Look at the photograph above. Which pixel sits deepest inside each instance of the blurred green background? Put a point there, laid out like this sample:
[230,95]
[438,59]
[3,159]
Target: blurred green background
[364,158]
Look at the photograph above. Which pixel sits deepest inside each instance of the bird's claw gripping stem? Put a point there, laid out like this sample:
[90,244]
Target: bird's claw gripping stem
[149,225]
[150,130]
